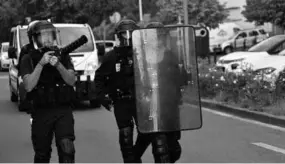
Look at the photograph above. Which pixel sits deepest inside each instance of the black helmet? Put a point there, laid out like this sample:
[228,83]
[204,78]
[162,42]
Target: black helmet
[154,24]
[42,33]
[123,31]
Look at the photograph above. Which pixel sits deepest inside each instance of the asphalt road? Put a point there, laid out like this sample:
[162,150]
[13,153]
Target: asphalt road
[223,138]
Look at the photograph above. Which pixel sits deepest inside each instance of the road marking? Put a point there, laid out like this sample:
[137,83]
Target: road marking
[270,147]
[245,120]
[4,77]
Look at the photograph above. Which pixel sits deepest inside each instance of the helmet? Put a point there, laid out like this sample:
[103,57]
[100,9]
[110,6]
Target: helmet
[154,24]
[123,32]
[42,34]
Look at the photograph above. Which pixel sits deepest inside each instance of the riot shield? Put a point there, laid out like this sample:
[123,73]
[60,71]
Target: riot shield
[166,79]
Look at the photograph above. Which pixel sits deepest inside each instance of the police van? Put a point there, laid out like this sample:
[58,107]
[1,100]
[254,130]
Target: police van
[84,58]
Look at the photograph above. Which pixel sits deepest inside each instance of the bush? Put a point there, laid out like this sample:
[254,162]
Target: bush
[244,90]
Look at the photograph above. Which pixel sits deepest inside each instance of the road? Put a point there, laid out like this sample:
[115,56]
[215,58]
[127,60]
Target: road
[223,138]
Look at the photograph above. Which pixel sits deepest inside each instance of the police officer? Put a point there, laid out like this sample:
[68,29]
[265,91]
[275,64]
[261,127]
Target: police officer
[115,78]
[49,82]
[144,140]
[117,72]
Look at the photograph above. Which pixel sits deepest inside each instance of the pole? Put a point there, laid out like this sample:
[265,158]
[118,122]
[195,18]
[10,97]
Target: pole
[186,20]
[140,10]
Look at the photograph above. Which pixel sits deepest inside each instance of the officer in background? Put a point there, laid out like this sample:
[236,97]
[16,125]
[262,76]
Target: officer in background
[116,74]
[49,85]
[144,140]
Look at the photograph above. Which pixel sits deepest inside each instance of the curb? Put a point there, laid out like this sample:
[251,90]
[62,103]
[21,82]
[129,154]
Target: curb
[244,113]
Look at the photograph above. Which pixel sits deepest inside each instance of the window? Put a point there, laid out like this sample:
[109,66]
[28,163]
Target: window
[253,33]
[5,48]
[242,35]
[262,31]
[278,49]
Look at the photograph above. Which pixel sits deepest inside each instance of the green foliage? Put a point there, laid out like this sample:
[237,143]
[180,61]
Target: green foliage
[262,11]
[97,12]
[244,90]
[208,12]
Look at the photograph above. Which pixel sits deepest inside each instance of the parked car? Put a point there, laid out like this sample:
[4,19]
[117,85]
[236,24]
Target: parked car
[222,34]
[243,40]
[84,58]
[267,57]
[109,44]
[4,59]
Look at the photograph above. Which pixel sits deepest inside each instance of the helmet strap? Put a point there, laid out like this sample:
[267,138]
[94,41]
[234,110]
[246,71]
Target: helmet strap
[34,43]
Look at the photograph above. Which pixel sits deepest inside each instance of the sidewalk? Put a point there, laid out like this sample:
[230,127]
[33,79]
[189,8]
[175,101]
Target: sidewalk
[244,113]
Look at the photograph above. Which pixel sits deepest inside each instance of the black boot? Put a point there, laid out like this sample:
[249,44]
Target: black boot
[160,149]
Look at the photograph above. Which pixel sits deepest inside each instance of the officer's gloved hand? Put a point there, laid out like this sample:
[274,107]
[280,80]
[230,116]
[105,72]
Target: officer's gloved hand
[107,103]
[54,61]
[46,58]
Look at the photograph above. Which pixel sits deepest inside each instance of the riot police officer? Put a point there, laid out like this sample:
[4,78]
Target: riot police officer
[116,72]
[49,80]
[144,140]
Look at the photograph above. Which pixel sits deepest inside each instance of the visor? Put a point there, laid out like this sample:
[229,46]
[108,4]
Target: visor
[46,38]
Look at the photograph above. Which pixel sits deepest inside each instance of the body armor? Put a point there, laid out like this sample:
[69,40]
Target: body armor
[122,77]
[51,90]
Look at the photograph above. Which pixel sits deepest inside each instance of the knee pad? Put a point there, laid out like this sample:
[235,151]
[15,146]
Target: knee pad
[160,149]
[159,144]
[41,157]
[126,136]
[126,144]
[66,151]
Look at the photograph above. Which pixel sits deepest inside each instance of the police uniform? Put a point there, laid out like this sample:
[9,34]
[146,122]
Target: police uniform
[51,109]
[116,78]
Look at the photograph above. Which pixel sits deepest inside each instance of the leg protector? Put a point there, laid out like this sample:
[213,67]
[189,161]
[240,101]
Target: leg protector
[126,144]
[66,151]
[175,149]
[42,157]
[160,149]
[142,142]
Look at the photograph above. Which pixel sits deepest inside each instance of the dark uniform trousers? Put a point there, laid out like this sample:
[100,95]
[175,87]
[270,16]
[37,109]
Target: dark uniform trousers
[49,122]
[165,147]
[168,153]
[124,110]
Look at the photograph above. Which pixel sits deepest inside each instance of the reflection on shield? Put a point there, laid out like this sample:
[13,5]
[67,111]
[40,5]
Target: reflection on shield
[166,78]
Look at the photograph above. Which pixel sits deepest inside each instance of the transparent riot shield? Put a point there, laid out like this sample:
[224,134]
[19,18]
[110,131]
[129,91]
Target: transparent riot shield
[166,79]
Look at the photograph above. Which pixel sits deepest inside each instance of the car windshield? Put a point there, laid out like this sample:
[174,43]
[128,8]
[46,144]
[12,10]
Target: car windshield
[108,44]
[5,48]
[267,44]
[67,35]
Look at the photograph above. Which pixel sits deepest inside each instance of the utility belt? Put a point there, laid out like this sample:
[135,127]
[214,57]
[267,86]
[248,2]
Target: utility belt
[123,94]
[52,96]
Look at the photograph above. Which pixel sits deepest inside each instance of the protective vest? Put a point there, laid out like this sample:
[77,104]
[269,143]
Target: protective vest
[122,76]
[51,90]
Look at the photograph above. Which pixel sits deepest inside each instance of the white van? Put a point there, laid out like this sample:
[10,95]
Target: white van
[84,58]
[221,34]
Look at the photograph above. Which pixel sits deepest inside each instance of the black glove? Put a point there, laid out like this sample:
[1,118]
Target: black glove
[107,103]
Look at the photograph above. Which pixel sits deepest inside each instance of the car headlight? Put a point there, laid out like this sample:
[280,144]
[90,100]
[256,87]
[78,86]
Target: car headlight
[221,61]
[266,71]
[4,57]
[90,68]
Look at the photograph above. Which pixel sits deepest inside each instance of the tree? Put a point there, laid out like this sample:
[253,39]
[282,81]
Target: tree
[262,11]
[209,12]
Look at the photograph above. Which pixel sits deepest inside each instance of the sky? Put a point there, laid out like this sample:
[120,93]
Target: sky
[233,3]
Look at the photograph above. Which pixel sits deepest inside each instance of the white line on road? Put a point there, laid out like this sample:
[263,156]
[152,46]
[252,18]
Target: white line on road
[269,147]
[245,120]
[4,77]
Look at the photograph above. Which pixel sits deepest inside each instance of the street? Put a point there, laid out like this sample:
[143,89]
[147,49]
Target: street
[223,138]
